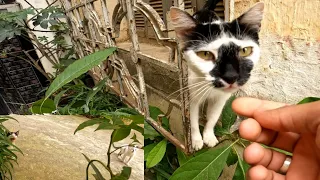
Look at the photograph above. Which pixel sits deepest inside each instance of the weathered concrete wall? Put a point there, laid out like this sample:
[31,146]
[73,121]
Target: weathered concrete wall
[294,18]
[290,59]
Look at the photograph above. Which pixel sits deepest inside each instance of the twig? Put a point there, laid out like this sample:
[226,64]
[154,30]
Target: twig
[166,134]
[117,148]
[107,168]
[38,12]
[109,153]
[31,6]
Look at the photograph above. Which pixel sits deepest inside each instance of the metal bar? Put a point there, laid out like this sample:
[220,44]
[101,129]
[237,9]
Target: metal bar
[135,48]
[166,134]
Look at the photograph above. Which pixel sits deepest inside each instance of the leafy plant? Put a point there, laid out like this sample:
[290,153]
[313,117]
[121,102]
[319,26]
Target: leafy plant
[105,109]
[72,72]
[7,151]
[207,163]
[55,50]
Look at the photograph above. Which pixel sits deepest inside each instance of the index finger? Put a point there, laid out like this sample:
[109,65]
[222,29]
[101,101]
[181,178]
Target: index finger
[249,106]
[272,115]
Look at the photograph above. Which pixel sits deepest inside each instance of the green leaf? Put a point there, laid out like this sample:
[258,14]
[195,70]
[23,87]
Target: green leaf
[147,150]
[154,112]
[149,131]
[98,175]
[95,90]
[44,24]
[308,100]
[128,111]
[208,165]
[137,119]
[106,126]
[228,116]
[219,131]
[232,158]
[135,127]
[156,154]
[43,106]
[120,134]
[160,177]
[89,123]
[182,158]
[78,68]
[242,168]
[124,175]
[6,118]
[58,97]
[134,138]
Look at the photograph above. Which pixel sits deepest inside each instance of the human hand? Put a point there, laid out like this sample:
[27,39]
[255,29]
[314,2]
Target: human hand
[294,128]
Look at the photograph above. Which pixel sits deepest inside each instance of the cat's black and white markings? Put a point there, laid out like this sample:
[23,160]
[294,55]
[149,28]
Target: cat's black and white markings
[220,58]
[127,153]
[13,136]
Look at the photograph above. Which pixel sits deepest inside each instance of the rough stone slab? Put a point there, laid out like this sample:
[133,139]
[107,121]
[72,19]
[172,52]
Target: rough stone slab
[52,151]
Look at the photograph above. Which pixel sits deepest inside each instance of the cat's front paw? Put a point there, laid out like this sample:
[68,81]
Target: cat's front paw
[197,143]
[210,139]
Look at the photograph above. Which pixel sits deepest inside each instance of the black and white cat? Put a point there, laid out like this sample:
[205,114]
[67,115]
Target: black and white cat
[13,136]
[220,57]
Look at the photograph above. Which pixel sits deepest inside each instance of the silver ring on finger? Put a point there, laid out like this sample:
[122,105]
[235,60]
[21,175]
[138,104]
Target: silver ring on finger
[284,168]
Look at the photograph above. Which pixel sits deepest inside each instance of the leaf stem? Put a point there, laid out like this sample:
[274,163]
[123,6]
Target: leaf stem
[109,154]
[87,170]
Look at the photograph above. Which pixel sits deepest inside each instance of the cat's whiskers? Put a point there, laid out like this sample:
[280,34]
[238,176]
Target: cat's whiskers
[198,92]
[187,87]
[202,84]
[184,79]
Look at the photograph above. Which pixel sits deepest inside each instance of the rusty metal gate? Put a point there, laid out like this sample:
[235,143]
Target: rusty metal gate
[92,31]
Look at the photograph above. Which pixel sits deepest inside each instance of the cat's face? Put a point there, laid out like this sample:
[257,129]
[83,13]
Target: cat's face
[223,53]
[13,136]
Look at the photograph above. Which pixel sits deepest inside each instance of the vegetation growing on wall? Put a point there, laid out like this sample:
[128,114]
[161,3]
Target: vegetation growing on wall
[104,109]
[7,151]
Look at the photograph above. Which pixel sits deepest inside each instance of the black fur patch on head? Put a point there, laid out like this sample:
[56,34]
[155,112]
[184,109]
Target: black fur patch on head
[206,31]
[230,66]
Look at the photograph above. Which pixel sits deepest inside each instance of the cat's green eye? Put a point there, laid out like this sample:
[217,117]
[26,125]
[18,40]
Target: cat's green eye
[206,55]
[246,51]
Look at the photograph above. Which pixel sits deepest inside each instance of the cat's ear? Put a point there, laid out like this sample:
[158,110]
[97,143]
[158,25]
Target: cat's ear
[182,22]
[253,16]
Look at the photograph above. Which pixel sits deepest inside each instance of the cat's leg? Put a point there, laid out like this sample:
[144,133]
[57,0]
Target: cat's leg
[197,142]
[214,110]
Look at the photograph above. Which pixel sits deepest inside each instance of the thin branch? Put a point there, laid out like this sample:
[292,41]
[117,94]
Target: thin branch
[117,148]
[39,12]
[36,66]
[108,152]
[87,169]
[31,5]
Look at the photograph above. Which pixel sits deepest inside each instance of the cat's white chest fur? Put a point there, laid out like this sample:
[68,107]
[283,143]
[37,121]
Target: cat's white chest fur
[220,56]
[200,91]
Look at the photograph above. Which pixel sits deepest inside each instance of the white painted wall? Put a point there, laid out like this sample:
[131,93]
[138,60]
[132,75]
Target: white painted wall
[40,4]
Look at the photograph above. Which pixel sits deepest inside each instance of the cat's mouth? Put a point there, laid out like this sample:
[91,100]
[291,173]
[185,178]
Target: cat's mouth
[231,87]
[226,86]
